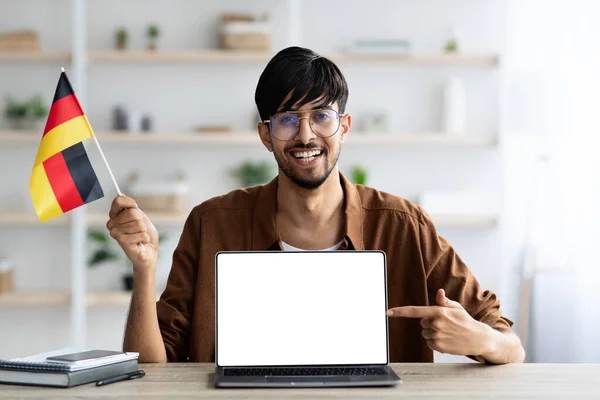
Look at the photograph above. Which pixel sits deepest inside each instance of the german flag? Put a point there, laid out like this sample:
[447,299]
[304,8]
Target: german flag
[63,178]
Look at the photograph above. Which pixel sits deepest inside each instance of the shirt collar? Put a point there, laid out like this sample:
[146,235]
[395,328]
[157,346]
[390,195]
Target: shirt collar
[264,228]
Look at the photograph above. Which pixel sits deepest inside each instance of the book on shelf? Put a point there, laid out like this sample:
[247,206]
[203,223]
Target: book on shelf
[65,368]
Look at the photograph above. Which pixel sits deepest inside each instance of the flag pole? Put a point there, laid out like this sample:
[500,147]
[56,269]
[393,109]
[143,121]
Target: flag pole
[111,175]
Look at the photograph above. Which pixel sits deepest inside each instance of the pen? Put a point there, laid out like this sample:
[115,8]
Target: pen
[123,377]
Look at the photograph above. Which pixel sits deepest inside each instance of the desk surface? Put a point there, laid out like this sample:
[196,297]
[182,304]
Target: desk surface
[448,381]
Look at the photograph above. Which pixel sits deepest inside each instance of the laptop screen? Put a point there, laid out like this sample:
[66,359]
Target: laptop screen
[301,308]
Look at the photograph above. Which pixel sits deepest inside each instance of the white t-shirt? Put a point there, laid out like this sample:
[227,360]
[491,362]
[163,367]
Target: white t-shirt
[287,247]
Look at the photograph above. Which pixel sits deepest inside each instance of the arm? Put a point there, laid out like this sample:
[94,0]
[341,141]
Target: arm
[472,325]
[129,226]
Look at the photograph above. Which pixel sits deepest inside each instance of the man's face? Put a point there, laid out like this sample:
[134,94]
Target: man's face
[308,159]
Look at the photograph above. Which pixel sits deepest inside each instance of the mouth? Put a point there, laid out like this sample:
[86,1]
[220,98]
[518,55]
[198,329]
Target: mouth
[306,157]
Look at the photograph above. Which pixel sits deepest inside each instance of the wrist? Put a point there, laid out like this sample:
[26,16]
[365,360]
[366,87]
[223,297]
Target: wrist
[491,342]
[143,278]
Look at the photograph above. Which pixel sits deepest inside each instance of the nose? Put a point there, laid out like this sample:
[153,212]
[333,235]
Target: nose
[305,134]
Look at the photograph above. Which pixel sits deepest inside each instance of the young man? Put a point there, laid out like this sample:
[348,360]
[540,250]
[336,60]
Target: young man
[301,98]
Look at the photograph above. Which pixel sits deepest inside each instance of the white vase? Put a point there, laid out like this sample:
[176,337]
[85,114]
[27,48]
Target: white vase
[454,112]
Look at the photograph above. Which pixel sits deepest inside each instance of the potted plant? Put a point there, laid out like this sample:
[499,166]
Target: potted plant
[252,173]
[107,250]
[26,115]
[153,32]
[122,37]
[359,174]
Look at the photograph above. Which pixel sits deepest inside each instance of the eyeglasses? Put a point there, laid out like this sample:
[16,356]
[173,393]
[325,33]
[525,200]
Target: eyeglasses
[286,125]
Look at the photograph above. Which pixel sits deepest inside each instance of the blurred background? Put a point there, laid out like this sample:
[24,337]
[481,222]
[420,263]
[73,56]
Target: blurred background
[483,112]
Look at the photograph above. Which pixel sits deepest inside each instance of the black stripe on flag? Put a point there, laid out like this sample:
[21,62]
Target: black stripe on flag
[63,89]
[82,173]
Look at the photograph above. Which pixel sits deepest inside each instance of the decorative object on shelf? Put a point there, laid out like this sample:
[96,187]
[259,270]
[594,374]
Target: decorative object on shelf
[359,174]
[454,113]
[160,196]
[26,115]
[121,38]
[147,123]
[251,173]
[245,32]
[107,250]
[451,45]
[22,40]
[375,122]
[120,119]
[380,46]
[6,276]
[213,129]
[153,32]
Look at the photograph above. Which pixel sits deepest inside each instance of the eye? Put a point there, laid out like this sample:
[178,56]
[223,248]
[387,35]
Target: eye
[287,119]
[321,116]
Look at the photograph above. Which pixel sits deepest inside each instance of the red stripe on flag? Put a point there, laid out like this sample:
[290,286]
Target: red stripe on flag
[62,183]
[63,110]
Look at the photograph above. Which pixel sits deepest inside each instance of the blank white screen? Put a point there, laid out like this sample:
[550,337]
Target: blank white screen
[304,308]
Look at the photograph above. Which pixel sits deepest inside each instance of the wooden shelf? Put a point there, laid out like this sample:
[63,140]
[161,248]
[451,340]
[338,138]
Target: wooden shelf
[36,56]
[465,220]
[99,219]
[251,138]
[23,218]
[62,298]
[96,219]
[220,56]
[474,60]
[177,57]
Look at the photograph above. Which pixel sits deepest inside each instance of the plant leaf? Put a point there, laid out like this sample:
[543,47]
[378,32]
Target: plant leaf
[101,256]
[98,236]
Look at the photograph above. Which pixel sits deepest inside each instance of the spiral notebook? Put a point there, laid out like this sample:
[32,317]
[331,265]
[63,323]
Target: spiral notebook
[40,362]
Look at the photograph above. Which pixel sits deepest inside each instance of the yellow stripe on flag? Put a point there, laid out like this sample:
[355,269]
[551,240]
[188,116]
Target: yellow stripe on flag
[62,137]
[44,201]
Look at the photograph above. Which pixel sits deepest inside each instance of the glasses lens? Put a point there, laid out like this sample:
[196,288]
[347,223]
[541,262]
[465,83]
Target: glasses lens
[284,126]
[325,123]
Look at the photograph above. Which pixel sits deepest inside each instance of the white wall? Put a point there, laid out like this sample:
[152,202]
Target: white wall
[181,97]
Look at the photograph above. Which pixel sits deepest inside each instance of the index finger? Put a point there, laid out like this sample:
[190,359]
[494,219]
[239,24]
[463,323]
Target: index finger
[119,204]
[414,311]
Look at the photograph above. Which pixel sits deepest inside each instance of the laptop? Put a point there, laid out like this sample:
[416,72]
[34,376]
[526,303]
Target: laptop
[302,319]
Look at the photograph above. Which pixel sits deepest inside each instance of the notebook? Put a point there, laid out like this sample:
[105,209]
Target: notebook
[67,367]
[85,360]
[46,377]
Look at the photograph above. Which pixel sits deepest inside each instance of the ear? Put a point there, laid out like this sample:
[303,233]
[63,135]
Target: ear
[263,132]
[345,124]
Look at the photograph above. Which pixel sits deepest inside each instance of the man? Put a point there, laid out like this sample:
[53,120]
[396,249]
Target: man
[301,98]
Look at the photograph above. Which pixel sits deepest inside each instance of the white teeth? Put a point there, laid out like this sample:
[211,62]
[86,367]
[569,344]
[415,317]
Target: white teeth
[306,154]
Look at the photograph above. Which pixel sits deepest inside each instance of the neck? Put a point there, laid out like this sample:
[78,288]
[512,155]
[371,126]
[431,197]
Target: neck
[317,206]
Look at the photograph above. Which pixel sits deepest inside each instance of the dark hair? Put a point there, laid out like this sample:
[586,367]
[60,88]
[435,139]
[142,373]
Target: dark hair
[304,73]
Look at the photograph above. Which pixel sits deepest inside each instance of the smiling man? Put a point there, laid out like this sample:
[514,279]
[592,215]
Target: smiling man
[436,302]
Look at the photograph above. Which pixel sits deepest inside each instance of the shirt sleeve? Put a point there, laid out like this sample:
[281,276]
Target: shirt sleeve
[445,270]
[176,304]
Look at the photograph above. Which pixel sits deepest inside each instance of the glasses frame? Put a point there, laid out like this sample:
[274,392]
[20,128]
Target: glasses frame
[267,122]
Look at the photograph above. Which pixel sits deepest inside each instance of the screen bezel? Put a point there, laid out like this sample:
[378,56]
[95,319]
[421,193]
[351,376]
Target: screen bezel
[387,343]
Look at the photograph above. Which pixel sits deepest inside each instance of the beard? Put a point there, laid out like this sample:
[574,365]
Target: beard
[313,180]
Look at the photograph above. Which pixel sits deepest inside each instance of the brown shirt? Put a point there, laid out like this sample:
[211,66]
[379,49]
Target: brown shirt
[419,262]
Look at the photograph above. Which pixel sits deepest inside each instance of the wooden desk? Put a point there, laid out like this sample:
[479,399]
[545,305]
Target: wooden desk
[447,381]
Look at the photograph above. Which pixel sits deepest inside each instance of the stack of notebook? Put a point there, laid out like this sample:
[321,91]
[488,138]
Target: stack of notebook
[54,369]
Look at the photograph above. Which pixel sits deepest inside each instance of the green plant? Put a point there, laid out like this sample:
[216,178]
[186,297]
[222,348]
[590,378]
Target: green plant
[451,46]
[33,108]
[359,174]
[122,37]
[253,173]
[108,249]
[153,32]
